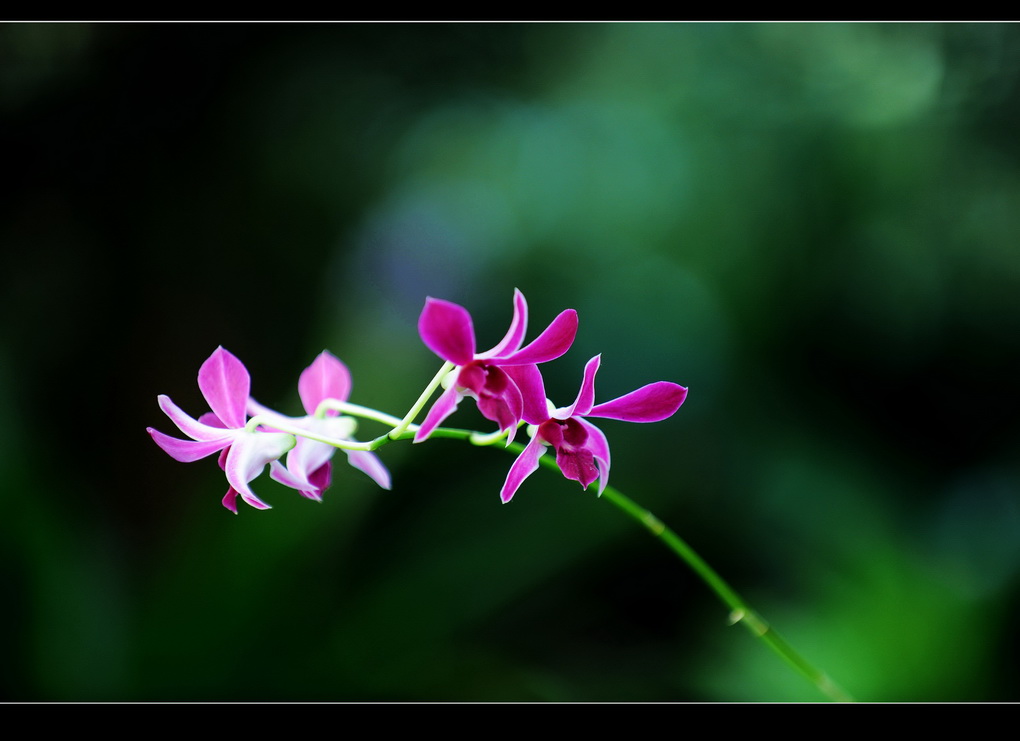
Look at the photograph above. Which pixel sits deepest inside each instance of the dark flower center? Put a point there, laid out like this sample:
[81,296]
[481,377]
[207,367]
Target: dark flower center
[482,379]
[498,397]
[569,438]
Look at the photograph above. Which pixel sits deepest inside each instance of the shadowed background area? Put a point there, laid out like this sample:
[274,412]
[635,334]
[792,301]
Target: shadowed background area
[812,226]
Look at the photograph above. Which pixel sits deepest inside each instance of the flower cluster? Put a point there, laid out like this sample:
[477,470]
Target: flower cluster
[504,381]
[246,445]
[509,389]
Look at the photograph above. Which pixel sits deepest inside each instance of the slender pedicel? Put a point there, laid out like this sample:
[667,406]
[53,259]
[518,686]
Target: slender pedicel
[404,424]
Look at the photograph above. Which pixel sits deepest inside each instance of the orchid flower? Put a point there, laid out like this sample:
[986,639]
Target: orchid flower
[225,385]
[582,451]
[309,465]
[447,330]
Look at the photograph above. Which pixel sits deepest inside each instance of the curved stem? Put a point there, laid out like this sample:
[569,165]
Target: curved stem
[283,425]
[482,439]
[405,423]
[356,410]
[740,611]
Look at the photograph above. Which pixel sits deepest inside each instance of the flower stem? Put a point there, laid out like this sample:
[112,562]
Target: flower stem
[740,611]
[281,424]
[402,426]
[356,410]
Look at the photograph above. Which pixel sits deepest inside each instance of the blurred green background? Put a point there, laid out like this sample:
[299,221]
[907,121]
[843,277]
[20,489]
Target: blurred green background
[812,226]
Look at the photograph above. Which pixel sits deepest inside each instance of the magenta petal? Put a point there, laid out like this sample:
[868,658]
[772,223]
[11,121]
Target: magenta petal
[281,473]
[650,403]
[511,342]
[500,400]
[210,419]
[249,454]
[444,406]
[187,451]
[225,384]
[525,464]
[230,500]
[528,378]
[370,464]
[254,409]
[320,479]
[326,378]
[446,329]
[577,464]
[309,489]
[190,427]
[308,456]
[553,342]
[250,498]
[599,447]
[585,395]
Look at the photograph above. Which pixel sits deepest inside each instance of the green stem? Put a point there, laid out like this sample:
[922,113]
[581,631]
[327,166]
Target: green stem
[402,426]
[740,611]
[281,423]
[356,410]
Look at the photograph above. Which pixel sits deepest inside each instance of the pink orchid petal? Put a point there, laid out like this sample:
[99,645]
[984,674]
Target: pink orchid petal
[528,378]
[523,466]
[225,384]
[650,403]
[190,427]
[282,474]
[501,400]
[370,464]
[444,406]
[249,497]
[599,447]
[310,489]
[511,342]
[586,394]
[255,409]
[230,500]
[326,378]
[308,456]
[210,419]
[187,451]
[320,479]
[553,342]
[577,464]
[249,454]
[446,329]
